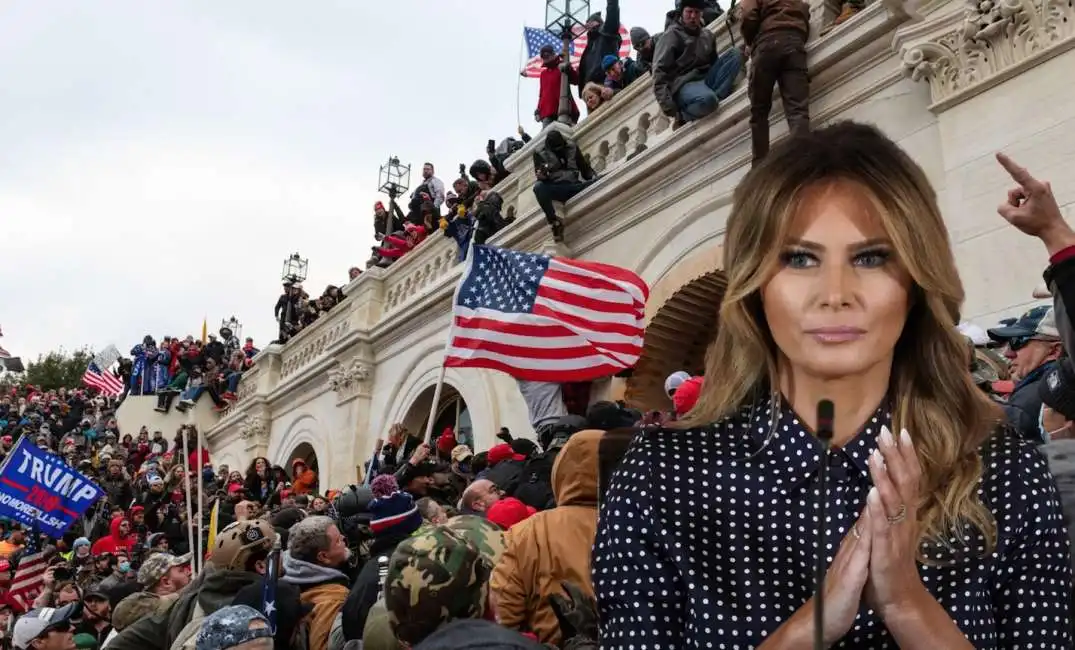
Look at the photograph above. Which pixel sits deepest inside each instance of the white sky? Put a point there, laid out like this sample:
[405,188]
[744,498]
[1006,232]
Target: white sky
[159,160]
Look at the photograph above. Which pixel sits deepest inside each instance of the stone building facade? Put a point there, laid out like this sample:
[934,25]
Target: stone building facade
[951,82]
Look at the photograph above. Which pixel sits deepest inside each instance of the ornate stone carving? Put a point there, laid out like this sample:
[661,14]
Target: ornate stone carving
[991,38]
[345,377]
[254,426]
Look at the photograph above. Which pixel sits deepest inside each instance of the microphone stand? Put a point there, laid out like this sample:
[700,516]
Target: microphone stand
[824,434]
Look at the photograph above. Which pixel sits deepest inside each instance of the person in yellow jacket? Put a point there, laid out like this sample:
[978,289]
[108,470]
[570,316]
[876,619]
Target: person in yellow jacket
[314,562]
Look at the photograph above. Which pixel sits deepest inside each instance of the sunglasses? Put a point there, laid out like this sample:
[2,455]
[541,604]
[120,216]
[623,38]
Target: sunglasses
[1019,342]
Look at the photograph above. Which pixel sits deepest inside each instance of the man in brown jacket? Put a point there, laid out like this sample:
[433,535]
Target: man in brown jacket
[775,33]
[551,546]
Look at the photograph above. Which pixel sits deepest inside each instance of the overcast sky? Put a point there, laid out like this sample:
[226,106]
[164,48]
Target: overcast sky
[159,160]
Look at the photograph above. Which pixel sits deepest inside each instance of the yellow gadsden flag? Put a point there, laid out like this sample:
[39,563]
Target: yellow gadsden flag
[205,331]
[214,522]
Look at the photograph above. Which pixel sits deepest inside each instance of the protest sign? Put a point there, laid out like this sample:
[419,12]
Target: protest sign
[37,487]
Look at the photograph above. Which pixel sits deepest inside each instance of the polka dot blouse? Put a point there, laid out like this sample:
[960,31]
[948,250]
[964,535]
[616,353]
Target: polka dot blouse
[706,540]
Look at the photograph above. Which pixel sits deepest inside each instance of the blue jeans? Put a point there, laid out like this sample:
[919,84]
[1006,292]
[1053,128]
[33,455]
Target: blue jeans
[696,99]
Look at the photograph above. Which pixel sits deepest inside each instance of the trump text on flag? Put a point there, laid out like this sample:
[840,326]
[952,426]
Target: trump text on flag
[38,487]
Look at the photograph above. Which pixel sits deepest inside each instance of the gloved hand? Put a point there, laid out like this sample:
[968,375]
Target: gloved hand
[443,223]
[577,615]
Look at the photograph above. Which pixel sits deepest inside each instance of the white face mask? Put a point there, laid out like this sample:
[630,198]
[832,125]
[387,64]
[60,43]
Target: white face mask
[1062,432]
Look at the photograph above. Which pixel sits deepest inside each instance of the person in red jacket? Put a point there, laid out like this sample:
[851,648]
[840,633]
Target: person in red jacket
[548,108]
[120,541]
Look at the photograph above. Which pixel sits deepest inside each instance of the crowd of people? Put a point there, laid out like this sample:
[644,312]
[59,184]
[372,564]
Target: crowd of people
[187,368]
[295,310]
[689,78]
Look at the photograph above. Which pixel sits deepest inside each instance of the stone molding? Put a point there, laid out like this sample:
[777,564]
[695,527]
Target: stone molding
[983,43]
[345,379]
[254,427]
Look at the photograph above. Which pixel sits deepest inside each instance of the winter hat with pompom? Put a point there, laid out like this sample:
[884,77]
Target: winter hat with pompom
[393,512]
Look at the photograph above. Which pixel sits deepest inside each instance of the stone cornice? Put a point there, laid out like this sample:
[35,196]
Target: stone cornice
[967,49]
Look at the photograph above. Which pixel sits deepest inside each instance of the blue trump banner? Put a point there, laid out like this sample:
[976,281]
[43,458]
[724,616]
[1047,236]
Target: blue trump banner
[38,489]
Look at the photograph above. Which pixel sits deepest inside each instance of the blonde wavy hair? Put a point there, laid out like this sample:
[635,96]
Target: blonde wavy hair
[931,391]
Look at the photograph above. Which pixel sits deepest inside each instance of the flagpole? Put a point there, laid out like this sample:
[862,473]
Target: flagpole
[190,511]
[448,342]
[201,500]
[519,84]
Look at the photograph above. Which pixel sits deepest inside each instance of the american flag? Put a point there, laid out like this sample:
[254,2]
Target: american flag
[539,38]
[30,576]
[542,318]
[268,594]
[105,382]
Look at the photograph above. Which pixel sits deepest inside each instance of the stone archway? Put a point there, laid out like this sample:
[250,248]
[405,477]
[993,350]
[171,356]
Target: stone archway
[681,322]
[452,411]
[304,452]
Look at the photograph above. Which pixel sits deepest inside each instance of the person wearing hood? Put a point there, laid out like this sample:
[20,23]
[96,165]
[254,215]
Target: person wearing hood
[552,546]
[562,172]
[315,561]
[303,479]
[603,39]
[237,560]
[120,540]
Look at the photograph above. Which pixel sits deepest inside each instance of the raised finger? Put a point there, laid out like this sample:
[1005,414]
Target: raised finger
[890,496]
[1018,173]
[896,465]
[910,463]
[878,520]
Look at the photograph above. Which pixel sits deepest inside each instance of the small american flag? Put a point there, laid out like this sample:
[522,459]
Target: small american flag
[538,38]
[268,593]
[542,318]
[105,382]
[30,576]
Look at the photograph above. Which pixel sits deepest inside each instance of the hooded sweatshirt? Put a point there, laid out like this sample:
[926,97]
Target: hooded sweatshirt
[324,589]
[115,543]
[551,546]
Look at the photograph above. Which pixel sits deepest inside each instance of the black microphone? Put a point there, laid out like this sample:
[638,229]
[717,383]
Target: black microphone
[825,414]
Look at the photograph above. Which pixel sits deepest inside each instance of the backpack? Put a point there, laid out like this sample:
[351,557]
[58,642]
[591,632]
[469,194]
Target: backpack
[535,481]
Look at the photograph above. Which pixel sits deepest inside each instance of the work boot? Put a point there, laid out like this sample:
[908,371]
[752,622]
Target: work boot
[557,225]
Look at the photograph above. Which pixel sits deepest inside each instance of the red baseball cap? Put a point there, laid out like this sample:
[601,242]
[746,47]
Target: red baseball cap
[509,511]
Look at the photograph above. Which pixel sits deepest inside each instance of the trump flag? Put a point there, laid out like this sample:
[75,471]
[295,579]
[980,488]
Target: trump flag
[39,489]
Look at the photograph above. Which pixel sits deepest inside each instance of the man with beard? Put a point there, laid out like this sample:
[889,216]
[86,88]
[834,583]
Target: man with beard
[315,562]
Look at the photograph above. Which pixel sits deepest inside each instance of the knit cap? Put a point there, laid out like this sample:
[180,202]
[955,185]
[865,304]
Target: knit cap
[687,395]
[392,512]
[609,61]
[638,37]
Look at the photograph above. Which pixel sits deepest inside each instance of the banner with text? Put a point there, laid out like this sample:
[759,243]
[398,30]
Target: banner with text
[37,486]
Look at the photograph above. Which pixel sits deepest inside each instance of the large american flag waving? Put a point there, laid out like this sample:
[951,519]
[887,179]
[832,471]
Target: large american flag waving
[537,38]
[542,318]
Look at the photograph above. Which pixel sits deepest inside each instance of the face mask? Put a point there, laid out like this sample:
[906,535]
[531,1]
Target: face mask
[124,567]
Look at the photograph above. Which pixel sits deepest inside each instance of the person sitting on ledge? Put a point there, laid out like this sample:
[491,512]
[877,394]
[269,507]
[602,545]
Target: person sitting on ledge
[562,172]
[689,79]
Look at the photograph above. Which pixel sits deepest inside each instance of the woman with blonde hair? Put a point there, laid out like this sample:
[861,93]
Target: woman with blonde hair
[944,529]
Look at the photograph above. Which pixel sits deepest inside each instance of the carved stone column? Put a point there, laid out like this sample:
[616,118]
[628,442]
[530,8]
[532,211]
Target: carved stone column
[964,51]
[254,431]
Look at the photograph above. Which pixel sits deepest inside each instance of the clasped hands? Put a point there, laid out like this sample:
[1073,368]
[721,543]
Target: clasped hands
[876,561]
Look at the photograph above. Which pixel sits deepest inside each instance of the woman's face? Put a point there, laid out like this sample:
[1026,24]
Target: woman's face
[260,465]
[838,300]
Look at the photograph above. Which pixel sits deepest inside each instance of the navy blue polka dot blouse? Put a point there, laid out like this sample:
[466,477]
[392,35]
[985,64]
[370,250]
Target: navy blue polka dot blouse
[706,540]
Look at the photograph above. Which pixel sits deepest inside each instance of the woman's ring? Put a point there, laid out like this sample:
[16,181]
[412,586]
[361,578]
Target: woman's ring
[900,516]
[855,531]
